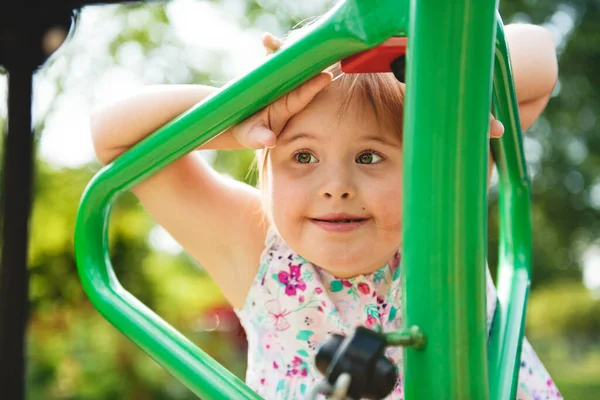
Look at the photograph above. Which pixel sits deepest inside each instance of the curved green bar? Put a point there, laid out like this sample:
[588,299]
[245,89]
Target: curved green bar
[350,27]
[514,273]
[444,247]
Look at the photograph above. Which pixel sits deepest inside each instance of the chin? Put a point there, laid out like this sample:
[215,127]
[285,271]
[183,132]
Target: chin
[342,263]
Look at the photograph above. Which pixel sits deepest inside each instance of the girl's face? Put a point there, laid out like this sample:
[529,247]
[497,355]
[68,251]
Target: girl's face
[335,186]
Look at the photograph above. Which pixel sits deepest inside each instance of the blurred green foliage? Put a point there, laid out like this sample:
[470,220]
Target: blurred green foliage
[73,353]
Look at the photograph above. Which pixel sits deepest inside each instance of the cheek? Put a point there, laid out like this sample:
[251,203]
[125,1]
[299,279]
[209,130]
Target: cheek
[289,200]
[385,201]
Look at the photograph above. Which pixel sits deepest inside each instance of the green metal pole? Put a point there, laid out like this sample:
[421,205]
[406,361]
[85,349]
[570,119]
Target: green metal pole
[449,86]
[514,272]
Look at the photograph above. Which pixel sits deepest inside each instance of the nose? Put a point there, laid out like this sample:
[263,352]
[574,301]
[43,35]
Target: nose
[338,184]
[343,195]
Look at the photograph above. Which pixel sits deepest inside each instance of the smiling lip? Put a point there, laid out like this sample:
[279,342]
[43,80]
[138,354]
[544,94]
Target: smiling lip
[339,222]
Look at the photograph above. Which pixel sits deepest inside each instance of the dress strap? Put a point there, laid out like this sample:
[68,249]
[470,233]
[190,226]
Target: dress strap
[272,246]
[271,236]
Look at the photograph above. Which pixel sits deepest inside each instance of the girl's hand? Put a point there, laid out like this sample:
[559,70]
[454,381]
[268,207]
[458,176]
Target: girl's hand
[262,135]
[261,129]
[271,43]
[496,128]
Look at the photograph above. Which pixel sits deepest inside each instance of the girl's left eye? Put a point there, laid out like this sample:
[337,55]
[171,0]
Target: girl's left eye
[369,157]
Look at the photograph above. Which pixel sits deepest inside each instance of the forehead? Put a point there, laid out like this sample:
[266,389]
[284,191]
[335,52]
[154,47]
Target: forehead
[334,109]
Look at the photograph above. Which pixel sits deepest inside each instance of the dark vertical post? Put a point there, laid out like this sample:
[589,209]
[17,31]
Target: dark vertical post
[16,194]
[23,26]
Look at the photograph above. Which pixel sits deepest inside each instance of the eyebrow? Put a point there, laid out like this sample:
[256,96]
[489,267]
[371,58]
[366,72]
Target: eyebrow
[305,135]
[296,136]
[381,140]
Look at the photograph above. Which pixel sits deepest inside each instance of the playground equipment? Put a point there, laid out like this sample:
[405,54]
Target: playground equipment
[30,31]
[449,91]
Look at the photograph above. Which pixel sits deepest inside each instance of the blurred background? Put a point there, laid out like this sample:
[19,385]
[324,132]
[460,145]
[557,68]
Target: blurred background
[73,353]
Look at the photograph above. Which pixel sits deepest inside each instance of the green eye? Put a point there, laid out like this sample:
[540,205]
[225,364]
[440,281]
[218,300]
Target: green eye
[304,157]
[368,157]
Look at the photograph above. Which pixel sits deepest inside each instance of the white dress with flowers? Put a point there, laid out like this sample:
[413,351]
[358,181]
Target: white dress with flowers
[293,305]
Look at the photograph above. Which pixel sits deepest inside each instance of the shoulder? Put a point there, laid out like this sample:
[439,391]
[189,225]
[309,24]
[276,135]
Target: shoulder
[274,251]
[282,273]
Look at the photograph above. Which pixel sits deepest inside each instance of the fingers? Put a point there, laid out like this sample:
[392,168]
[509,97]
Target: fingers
[271,43]
[295,101]
[253,134]
[261,136]
[496,128]
[261,130]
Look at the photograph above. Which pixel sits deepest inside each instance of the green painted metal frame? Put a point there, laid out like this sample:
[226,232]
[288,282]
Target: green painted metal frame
[449,87]
[446,117]
[514,273]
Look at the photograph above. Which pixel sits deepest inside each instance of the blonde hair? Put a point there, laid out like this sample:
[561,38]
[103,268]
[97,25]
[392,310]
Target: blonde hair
[381,91]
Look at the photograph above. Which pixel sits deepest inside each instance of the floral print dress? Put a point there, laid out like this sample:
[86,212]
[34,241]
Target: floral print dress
[293,305]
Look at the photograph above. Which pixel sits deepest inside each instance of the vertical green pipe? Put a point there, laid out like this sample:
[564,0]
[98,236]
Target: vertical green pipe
[504,349]
[449,85]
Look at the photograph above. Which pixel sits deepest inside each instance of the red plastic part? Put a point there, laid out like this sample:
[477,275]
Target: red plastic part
[377,59]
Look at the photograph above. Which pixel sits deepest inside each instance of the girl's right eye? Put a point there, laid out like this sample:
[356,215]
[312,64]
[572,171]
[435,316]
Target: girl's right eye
[304,157]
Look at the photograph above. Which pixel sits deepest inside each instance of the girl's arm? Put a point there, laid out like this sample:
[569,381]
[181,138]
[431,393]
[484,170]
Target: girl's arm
[119,125]
[187,198]
[220,222]
[534,67]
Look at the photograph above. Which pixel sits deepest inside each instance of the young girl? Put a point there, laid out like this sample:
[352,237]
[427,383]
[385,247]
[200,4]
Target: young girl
[315,249]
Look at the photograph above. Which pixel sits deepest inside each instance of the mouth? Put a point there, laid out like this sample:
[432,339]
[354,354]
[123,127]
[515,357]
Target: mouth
[340,218]
[339,222]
